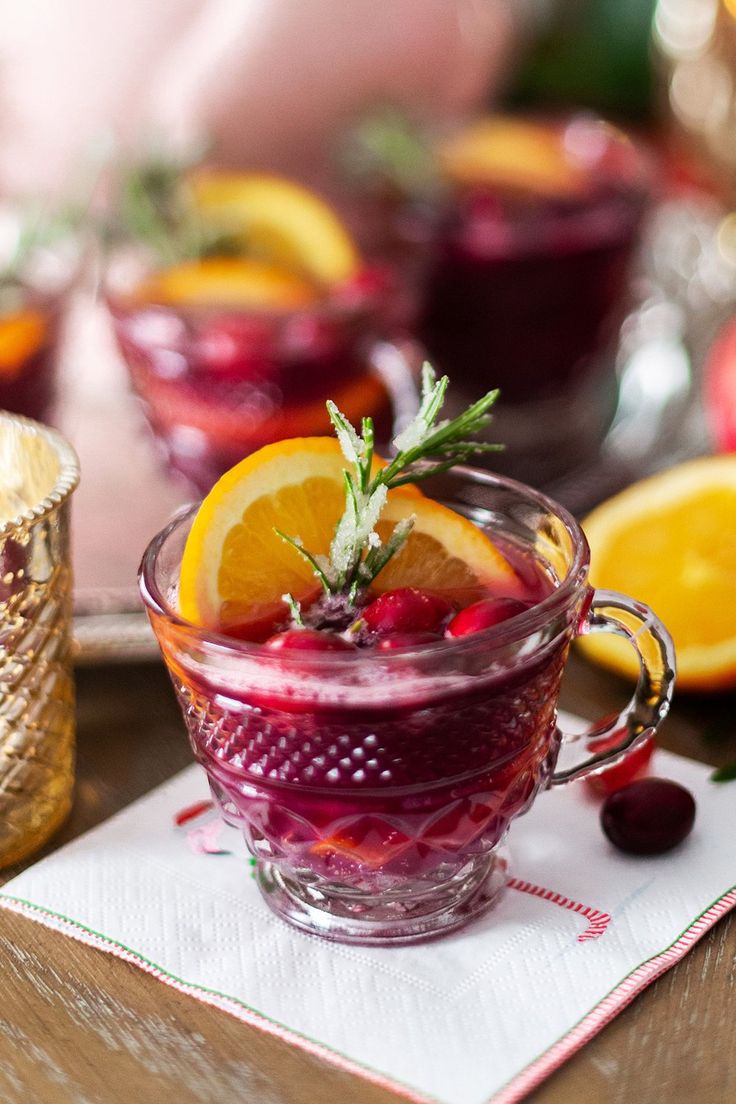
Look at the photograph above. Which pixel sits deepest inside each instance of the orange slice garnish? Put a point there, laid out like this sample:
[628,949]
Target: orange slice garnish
[670,541]
[512,153]
[235,567]
[278,220]
[228,282]
[21,335]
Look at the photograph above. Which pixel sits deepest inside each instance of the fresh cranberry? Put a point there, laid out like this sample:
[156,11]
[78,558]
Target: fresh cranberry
[648,816]
[484,615]
[308,640]
[236,346]
[609,779]
[310,337]
[407,640]
[367,286]
[406,610]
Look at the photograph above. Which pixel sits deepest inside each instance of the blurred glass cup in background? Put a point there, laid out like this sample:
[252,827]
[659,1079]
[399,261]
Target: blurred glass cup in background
[244,315]
[529,280]
[39,473]
[39,260]
[520,232]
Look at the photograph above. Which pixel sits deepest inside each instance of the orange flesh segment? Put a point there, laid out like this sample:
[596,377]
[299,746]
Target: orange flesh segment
[235,567]
[510,153]
[278,220]
[21,335]
[670,541]
[228,282]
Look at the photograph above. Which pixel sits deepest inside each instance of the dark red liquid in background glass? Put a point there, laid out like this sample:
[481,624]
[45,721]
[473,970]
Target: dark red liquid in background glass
[374,794]
[218,384]
[526,295]
[29,388]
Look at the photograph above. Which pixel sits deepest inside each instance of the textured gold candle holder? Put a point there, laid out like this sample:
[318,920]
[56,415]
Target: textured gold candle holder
[38,473]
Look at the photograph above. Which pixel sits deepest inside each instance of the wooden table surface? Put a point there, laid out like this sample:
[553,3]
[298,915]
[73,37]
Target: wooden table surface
[78,1026]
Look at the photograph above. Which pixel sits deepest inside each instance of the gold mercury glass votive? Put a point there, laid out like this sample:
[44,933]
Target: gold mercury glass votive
[38,472]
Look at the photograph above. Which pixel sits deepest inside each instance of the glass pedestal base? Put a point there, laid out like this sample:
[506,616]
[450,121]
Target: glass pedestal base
[389,919]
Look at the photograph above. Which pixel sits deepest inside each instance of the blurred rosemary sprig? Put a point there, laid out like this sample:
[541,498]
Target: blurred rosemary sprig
[388,150]
[154,208]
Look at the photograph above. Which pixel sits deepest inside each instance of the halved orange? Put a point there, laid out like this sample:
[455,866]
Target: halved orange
[228,282]
[21,335]
[278,220]
[511,153]
[235,568]
[670,541]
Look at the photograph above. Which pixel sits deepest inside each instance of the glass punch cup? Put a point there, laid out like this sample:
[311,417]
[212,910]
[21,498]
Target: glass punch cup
[240,344]
[375,786]
[530,244]
[39,260]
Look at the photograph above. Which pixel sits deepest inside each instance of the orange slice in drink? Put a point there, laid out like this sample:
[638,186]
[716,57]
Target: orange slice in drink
[235,567]
[278,220]
[21,335]
[228,282]
[503,152]
[670,541]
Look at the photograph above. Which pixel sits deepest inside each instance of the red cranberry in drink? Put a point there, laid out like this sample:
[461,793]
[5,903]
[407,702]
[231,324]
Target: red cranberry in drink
[610,779]
[406,610]
[406,640]
[309,640]
[364,288]
[649,816]
[311,337]
[484,615]
[235,345]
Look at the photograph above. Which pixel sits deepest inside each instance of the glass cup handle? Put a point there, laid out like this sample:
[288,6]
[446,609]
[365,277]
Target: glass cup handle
[609,739]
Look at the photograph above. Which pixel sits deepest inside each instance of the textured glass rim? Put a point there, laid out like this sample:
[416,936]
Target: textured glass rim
[66,481]
[517,628]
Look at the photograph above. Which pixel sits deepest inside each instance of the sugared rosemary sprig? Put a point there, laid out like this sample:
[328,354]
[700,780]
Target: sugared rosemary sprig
[424,448]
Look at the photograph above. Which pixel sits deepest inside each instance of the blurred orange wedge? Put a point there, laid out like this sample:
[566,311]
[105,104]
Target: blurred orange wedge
[228,282]
[670,541]
[21,334]
[235,568]
[511,153]
[279,221]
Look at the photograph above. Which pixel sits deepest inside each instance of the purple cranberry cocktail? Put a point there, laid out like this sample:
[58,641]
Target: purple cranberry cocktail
[375,784]
[528,279]
[258,308]
[219,381]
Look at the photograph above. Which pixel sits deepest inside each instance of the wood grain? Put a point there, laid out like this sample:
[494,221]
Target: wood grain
[80,1027]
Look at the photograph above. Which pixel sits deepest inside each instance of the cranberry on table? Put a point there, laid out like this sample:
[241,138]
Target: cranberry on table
[308,640]
[484,615]
[649,816]
[406,610]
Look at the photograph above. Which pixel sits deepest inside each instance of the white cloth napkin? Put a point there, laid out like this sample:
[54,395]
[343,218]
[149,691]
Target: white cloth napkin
[482,1014]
